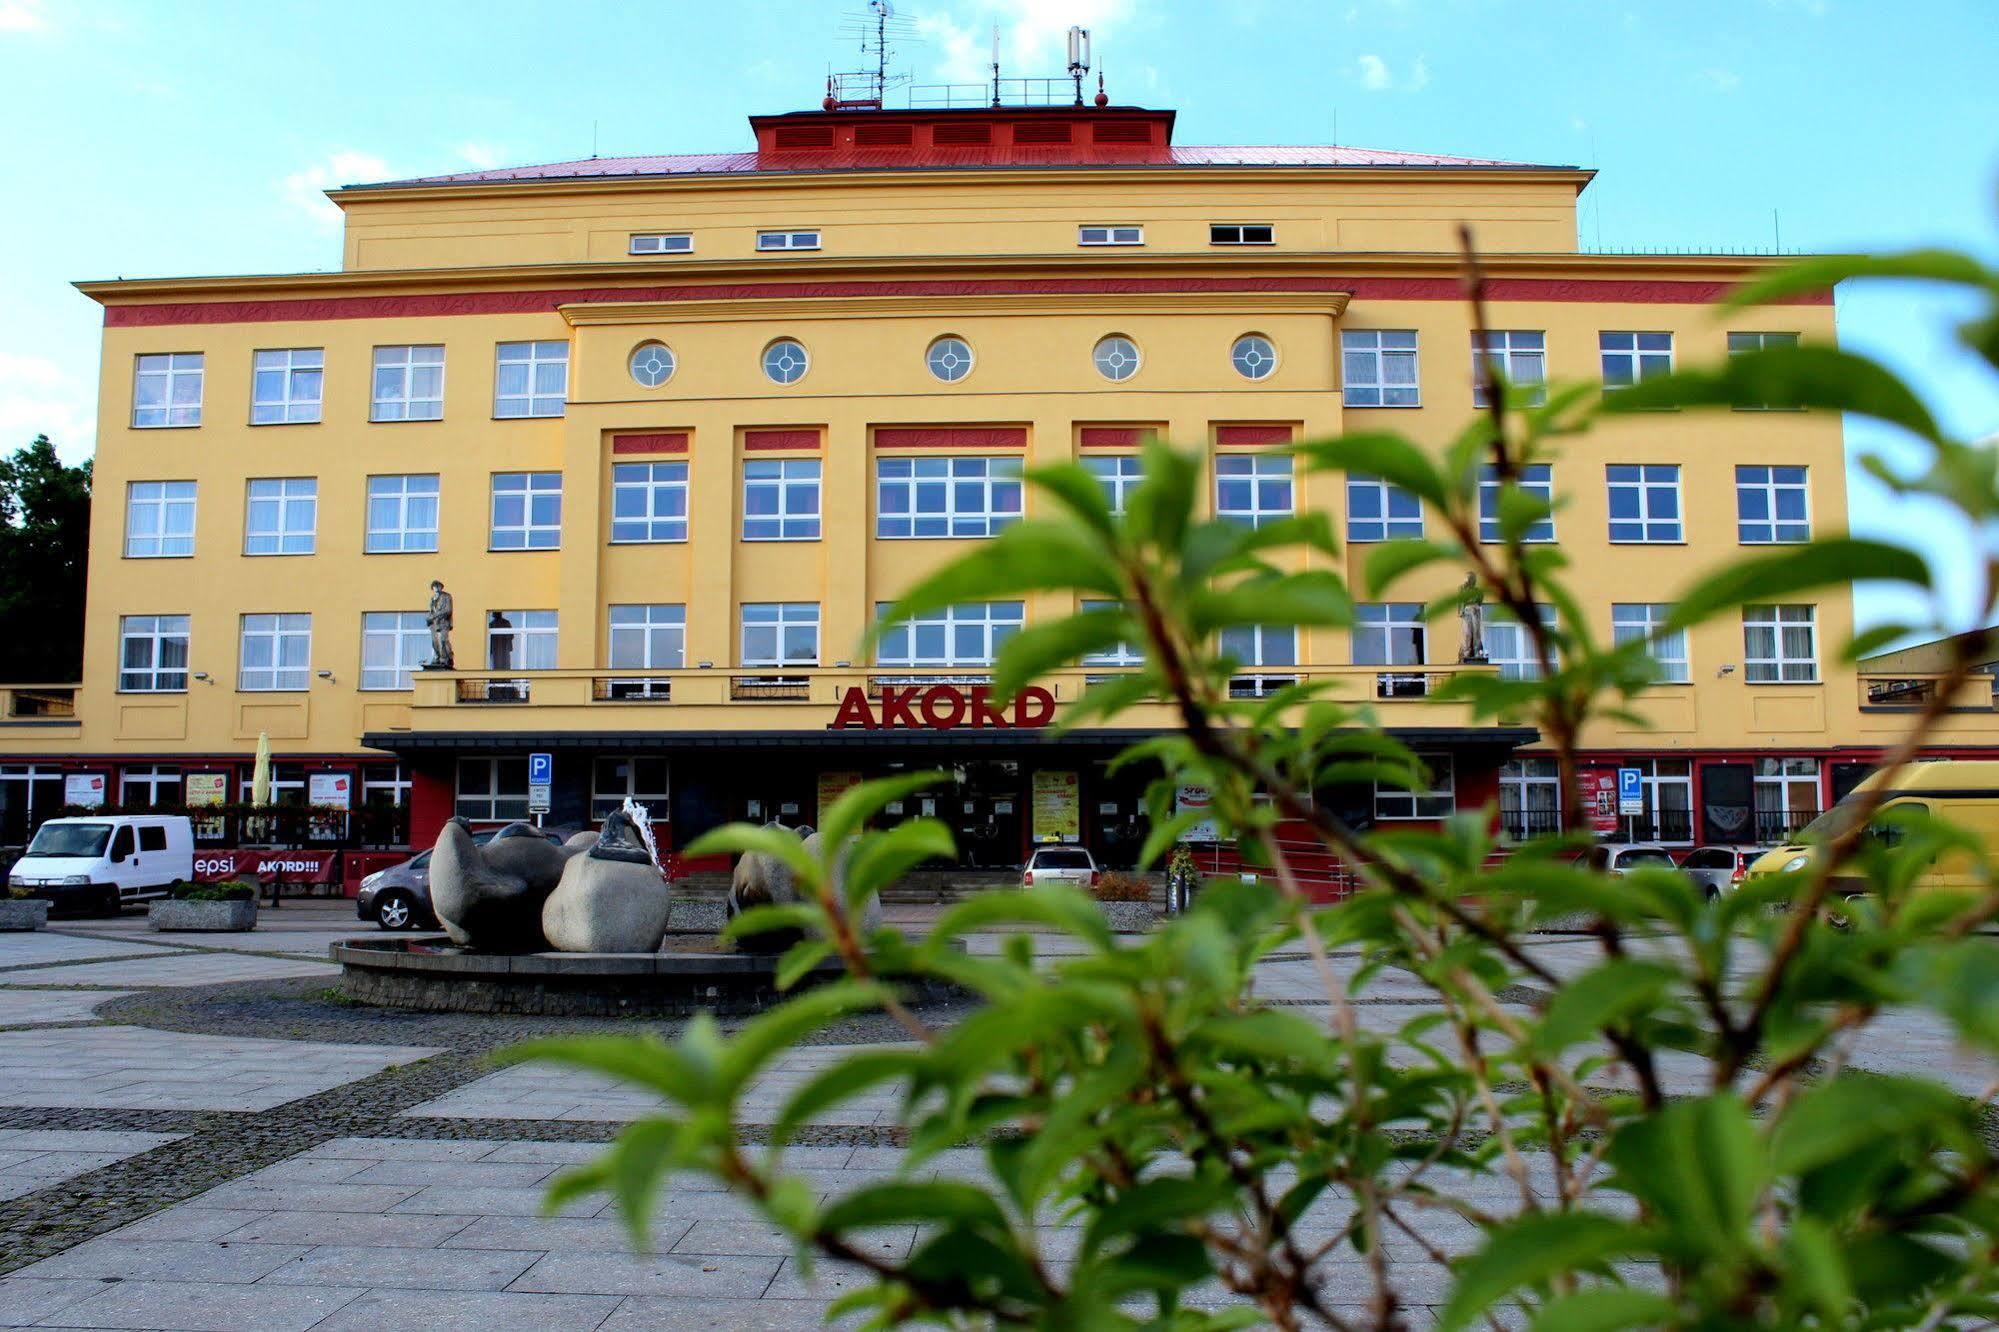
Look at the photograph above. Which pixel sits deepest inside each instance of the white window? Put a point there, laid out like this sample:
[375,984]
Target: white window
[1510,647]
[159,519]
[967,635]
[527,511]
[640,780]
[786,361]
[1519,357]
[282,516]
[1771,505]
[1630,357]
[1437,799]
[1110,235]
[781,499]
[530,378]
[1122,654]
[651,364]
[1742,343]
[1644,501]
[492,790]
[1253,488]
[662,242]
[387,786]
[780,633]
[945,497]
[1780,644]
[1390,633]
[1241,233]
[649,501]
[409,384]
[1786,793]
[1119,473]
[1379,511]
[1379,367]
[402,514]
[394,645]
[152,654]
[1116,358]
[949,359]
[149,787]
[1253,356]
[285,386]
[520,640]
[1530,798]
[1646,622]
[1668,786]
[1536,480]
[166,391]
[787,240]
[1261,644]
[649,638]
[276,653]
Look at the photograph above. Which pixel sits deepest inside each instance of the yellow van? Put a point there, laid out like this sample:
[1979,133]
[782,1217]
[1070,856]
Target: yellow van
[1964,793]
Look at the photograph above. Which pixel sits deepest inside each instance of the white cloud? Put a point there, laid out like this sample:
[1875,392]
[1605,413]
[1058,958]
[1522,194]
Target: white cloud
[1374,74]
[306,189]
[958,45]
[39,397]
[1721,80]
[481,156]
[23,16]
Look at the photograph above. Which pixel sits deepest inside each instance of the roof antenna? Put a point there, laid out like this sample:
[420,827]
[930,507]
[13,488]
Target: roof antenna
[593,139]
[1079,58]
[996,96]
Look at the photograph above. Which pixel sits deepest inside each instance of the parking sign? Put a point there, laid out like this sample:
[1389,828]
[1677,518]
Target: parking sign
[1630,791]
[541,775]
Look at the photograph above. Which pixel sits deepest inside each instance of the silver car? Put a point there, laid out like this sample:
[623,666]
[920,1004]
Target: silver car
[1059,864]
[1621,859]
[398,898]
[1718,869]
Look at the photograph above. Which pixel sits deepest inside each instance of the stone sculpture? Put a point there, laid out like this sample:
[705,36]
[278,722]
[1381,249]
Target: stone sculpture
[1471,621]
[437,616]
[490,897]
[761,880]
[611,897]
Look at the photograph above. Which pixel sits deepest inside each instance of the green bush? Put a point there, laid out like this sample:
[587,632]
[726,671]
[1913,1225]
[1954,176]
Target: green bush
[226,891]
[1139,1088]
[1117,886]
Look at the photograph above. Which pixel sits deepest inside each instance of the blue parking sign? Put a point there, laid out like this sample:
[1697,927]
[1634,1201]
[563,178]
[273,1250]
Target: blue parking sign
[541,769]
[1630,791]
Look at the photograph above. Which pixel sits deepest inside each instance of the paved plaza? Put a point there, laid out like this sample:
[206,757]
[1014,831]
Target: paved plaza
[197,1133]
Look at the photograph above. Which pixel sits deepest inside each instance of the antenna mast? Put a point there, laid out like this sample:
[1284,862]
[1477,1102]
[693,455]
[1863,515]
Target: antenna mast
[878,29]
[1079,58]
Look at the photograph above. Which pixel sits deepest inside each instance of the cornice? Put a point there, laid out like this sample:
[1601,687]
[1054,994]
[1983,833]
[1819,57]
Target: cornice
[602,313]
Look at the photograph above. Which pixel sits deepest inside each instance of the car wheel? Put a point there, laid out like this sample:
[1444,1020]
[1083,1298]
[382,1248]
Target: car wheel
[110,904]
[395,911]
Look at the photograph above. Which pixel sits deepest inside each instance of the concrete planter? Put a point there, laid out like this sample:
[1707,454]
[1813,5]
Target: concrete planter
[182,917]
[1129,917]
[23,913]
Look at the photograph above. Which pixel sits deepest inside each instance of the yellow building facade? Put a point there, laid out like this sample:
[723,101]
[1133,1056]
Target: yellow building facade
[669,430]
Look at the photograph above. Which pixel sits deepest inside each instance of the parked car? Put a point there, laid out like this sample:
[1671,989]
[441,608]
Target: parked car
[1718,869]
[1622,859]
[97,864]
[1059,864]
[398,898]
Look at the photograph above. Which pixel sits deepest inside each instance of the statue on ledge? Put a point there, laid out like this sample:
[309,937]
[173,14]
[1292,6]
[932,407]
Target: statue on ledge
[1471,621]
[438,617]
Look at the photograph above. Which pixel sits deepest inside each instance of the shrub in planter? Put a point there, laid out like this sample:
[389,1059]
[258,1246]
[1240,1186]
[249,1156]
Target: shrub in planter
[205,908]
[19,911]
[1126,901]
[232,890]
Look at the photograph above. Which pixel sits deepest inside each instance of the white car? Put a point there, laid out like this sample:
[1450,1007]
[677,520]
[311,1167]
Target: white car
[99,864]
[1059,864]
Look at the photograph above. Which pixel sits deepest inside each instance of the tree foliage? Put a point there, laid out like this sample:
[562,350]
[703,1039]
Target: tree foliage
[1198,1136]
[44,556]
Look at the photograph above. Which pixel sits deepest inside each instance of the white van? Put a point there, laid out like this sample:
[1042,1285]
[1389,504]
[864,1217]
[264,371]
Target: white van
[99,864]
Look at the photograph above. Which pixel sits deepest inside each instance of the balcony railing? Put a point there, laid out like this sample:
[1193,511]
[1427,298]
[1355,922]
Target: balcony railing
[38,702]
[771,688]
[1780,825]
[513,689]
[1520,825]
[629,689]
[923,680]
[1890,693]
[1259,685]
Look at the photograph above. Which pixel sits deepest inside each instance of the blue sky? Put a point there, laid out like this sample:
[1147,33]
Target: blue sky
[186,137]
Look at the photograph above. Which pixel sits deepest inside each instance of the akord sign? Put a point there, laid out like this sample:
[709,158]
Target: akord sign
[942,707]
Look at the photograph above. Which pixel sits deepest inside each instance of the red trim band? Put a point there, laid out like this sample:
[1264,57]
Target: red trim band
[663,441]
[1638,292]
[756,440]
[1115,437]
[950,437]
[1227,436]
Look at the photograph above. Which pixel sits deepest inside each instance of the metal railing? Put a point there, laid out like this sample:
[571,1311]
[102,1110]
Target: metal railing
[1259,686]
[1779,825]
[629,689]
[35,702]
[876,683]
[1891,692]
[496,691]
[771,688]
[1520,825]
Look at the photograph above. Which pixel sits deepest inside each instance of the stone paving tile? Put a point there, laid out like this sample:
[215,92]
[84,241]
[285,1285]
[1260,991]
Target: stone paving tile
[243,1195]
[573,1272]
[203,1306]
[598,1234]
[198,1223]
[132,1067]
[470,1311]
[469,1174]
[20,1006]
[166,1260]
[668,1313]
[25,1300]
[172,967]
[403,1268]
[373,1230]
[33,948]
[420,1149]
[31,1160]
[451,1200]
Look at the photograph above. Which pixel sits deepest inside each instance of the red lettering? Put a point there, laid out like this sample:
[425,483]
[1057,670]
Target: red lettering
[933,716]
[854,711]
[1043,710]
[895,706]
[983,711]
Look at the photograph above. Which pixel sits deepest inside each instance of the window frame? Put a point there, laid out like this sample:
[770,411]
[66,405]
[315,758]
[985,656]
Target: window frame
[1646,487]
[1250,467]
[279,628]
[1778,665]
[1260,642]
[632,243]
[997,479]
[1522,664]
[406,371]
[172,373]
[804,352]
[1390,620]
[292,372]
[783,485]
[164,504]
[1394,527]
[501,804]
[1123,654]
[1636,362]
[1236,353]
[158,631]
[1441,794]
[605,800]
[1499,346]
[1097,351]
[930,363]
[1631,620]
[788,239]
[529,529]
[536,629]
[285,505]
[534,355]
[1770,488]
[408,631]
[1111,232]
[154,778]
[1738,344]
[1533,477]
[1218,233]
[783,618]
[1377,355]
[404,531]
[995,621]
[654,618]
[1118,473]
[653,488]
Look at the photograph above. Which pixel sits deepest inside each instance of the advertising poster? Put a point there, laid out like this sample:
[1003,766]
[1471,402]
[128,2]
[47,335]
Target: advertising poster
[332,789]
[1600,798]
[84,790]
[1058,807]
[206,788]
[1194,799]
[833,785]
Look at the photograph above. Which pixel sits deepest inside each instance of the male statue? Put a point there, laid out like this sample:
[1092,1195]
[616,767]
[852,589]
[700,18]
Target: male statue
[438,617]
[1471,618]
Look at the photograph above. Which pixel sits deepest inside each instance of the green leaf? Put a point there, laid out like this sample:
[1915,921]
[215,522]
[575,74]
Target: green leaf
[1854,1113]
[855,806]
[770,1034]
[1384,456]
[1959,980]
[840,1082]
[881,858]
[1604,996]
[1271,1034]
[764,919]
[1389,561]
[1081,493]
[1805,375]
[1158,508]
[1827,562]
[643,1061]
[1606,1310]
[1870,641]
[1699,1166]
[903,1201]
[1532,1251]
[1032,652]
[1816,1269]
[1064,909]
[799,960]
[1316,598]
[1821,273]
[1031,556]
[778,843]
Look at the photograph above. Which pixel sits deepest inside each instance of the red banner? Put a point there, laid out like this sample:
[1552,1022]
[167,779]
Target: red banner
[294,866]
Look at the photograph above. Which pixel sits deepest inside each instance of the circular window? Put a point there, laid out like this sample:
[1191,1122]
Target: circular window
[785,361]
[1253,356]
[1116,357]
[652,364]
[950,359]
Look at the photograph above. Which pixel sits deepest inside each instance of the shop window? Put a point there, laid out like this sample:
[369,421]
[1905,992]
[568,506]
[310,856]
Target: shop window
[1436,799]
[641,780]
[492,790]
